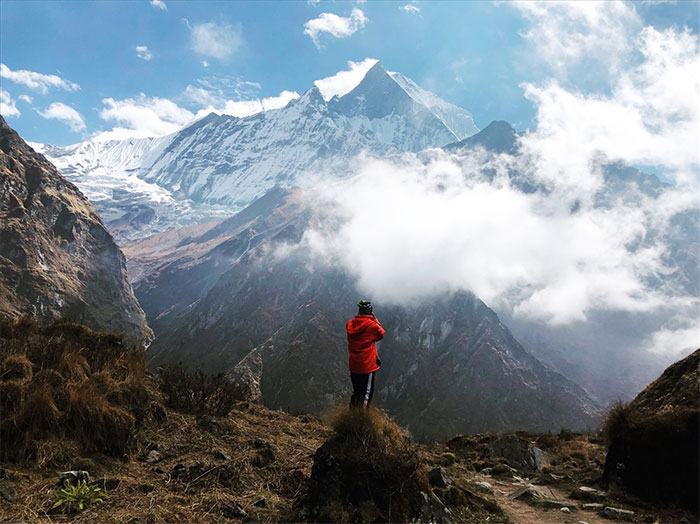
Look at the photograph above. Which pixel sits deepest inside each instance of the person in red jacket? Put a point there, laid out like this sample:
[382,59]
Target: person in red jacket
[363,331]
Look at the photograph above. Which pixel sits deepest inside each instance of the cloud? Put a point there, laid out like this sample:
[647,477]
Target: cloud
[205,63]
[143,53]
[335,25]
[26,98]
[567,33]
[243,108]
[66,114]
[141,117]
[410,8]
[435,223]
[159,4]
[37,81]
[216,40]
[345,81]
[7,105]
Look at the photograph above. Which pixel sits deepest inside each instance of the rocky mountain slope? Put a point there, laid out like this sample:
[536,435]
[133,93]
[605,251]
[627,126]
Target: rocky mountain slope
[56,257]
[227,299]
[222,163]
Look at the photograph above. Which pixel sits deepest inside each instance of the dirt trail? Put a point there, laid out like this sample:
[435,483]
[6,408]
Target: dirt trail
[521,512]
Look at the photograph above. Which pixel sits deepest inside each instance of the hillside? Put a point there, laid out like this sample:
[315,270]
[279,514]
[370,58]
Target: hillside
[237,461]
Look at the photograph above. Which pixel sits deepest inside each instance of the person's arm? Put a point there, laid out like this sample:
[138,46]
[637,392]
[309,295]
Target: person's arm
[380,331]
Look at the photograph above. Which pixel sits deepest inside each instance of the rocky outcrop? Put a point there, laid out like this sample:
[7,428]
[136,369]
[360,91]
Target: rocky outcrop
[653,441]
[56,258]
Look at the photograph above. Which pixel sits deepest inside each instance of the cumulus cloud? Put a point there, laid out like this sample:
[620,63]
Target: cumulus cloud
[334,25]
[141,117]
[345,81]
[216,40]
[410,8]
[66,114]
[143,52]
[7,105]
[37,81]
[159,4]
[25,98]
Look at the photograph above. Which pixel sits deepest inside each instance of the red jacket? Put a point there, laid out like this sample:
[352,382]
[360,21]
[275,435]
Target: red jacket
[363,331]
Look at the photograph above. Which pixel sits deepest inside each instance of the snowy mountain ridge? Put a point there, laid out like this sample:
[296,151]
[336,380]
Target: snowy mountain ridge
[222,163]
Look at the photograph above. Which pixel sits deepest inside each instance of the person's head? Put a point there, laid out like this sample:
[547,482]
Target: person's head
[365,307]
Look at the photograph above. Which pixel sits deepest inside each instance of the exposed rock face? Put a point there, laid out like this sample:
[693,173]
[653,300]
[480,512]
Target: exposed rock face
[450,366]
[653,442]
[56,258]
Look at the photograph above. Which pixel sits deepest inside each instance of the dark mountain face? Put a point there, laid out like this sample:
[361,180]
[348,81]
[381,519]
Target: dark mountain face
[498,137]
[56,258]
[449,365]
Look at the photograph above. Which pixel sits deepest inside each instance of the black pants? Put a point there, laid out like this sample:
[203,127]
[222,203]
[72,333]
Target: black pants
[362,389]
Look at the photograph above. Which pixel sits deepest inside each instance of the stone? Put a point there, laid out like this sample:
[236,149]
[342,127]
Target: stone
[483,485]
[617,513]
[73,476]
[549,503]
[153,456]
[565,510]
[221,455]
[439,478]
[108,484]
[592,506]
[518,452]
[433,510]
[7,491]
[533,492]
[586,493]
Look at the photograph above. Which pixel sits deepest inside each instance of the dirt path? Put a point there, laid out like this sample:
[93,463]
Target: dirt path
[520,512]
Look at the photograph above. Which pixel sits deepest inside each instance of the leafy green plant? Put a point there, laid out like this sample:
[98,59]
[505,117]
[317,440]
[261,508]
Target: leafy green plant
[76,498]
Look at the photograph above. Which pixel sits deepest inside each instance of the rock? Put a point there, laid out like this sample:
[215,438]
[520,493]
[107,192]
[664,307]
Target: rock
[108,484]
[72,477]
[7,491]
[483,485]
[565,510]
[592,506]
[439,478]
[530,491]
[247,374]
[617,513]
[586,493]
[153,456]
[232,510]
[518,452]
[499,469]
[221,455]
[433,510]
[549,503]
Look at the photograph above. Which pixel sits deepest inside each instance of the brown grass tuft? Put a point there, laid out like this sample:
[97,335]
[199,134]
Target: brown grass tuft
[17,367]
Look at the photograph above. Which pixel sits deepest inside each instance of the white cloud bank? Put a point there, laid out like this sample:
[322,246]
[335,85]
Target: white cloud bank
[141,117]
[66,114]
[37,81]
[344,81]
[243,108]
[159,4]
[7,105]
[143,52]
[416,228]
[334,25]
[216,40]
[410,8]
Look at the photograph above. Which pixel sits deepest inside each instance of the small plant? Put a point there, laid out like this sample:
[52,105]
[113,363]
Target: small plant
[76,498]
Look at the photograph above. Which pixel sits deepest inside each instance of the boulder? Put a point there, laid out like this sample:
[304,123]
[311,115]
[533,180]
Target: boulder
[518,452]
[439,478]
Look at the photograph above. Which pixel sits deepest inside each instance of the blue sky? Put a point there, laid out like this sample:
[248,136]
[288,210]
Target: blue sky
[193,55]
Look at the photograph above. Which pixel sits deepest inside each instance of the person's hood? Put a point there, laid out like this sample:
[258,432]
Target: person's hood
[360,323]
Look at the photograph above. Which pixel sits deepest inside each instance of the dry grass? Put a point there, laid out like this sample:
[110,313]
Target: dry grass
[65,382]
